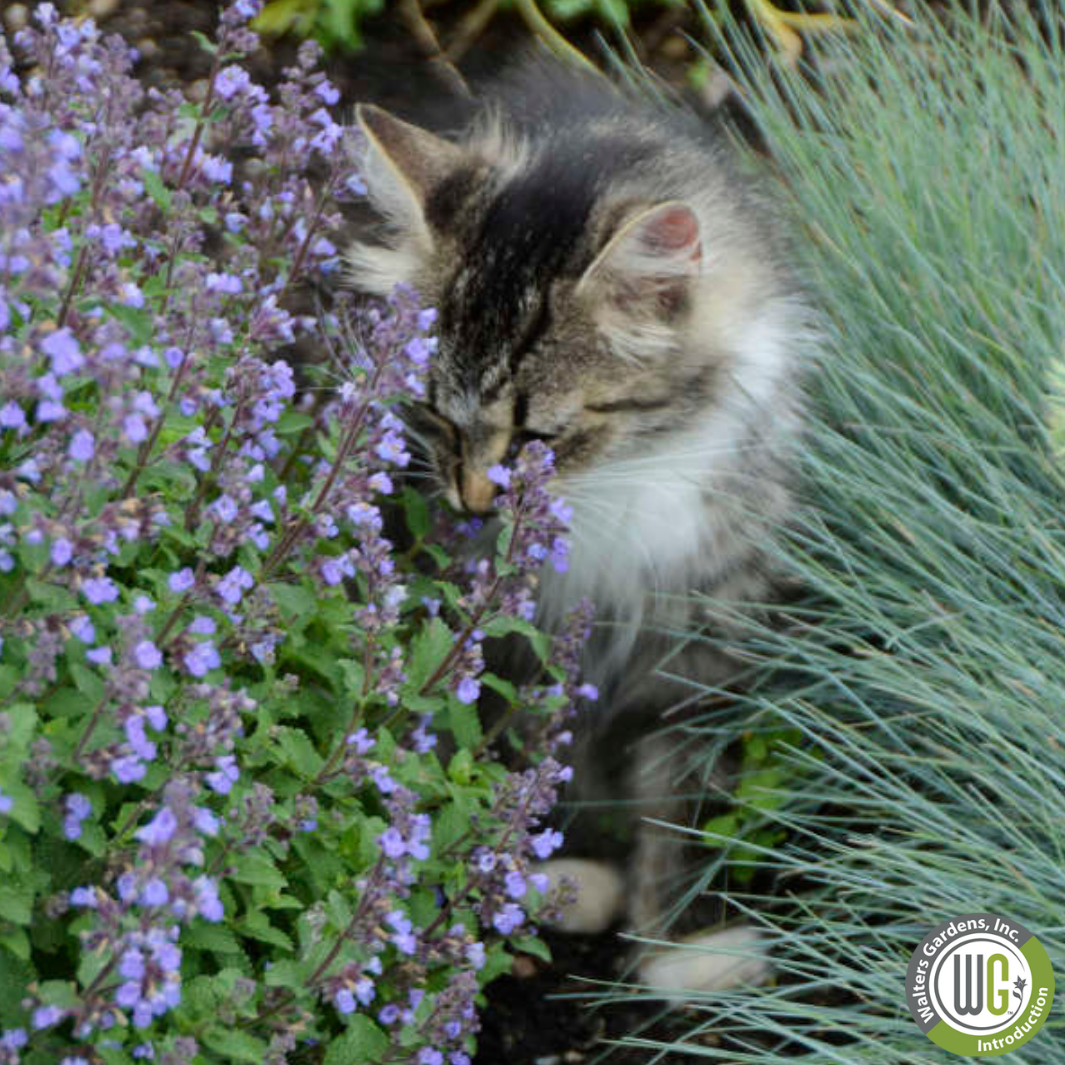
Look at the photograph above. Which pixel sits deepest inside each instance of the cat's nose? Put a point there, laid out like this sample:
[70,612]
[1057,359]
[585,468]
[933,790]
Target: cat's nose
[477,491]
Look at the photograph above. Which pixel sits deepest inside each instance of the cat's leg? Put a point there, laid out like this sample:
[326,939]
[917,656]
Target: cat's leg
[708,960]
[600,893]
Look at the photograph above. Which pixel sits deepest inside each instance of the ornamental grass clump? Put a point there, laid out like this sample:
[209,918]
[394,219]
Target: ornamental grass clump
[915,696]
[246,803]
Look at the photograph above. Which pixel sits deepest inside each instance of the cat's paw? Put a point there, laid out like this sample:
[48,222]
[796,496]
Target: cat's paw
[600,893]
[705,962]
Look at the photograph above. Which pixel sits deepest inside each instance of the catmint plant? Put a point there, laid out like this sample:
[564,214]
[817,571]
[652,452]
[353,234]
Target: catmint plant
[247,801]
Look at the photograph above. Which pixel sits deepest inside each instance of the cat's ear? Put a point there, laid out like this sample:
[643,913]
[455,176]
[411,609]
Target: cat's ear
[648,264]
[405,163]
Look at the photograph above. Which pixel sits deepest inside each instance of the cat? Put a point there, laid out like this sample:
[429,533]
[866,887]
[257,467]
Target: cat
[607,281]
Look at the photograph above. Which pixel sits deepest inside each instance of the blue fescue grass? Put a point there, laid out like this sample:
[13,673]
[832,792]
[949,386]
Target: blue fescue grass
[925,669]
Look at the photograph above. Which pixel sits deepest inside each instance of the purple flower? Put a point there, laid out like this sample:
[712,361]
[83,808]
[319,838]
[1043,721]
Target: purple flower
[430,1056]
[230,81]
[83,629]
[155,893]
[78,805]
[131,965]
[82,446]
[84,897]
[181,581]
[202,659]
[63,350]
[135,428]
[344,1001]
[546,843]
[159,830]
[207,901]
[226,775]
[205,821]
[509,917]
[514,884]
[468,689]
[142,747]
[392,843]
[100,590]
[99,656]
[499,475]
[147,655]
[361,740]
[227,284]
[6,802]
[128,769]
[232,586]
[46,1016]
[11,416]
[48,410]
[62,551]
[156,716]
[14,1038]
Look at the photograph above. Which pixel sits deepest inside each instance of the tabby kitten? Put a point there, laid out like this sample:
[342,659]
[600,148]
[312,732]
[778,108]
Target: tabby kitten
[606,282]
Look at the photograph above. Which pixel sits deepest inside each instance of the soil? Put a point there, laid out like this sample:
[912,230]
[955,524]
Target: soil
[541,1013]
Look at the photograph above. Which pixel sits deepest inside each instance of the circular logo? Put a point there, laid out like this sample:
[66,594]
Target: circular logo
[980,985]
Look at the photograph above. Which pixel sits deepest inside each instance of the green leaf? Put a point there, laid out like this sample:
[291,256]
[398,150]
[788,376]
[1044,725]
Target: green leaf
[213,937]
[24,809]
[88,683]
[17,943]
[532,945]
[286,973]
[158,191]
[464,722]
[498,684]
[427,650]
[363,1043]
[353,674]
[138,322]
[294,601]
[451,824]
[235,1044]
[257,926]
[505,625]
[298,751]
[50,596]
[293,421]
[259,871]
[417,511]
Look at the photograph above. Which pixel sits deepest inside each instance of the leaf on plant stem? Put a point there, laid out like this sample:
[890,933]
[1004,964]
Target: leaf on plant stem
[235,1044]
[417,512]
[464,722]
[498,684]
[531,945]
[363,1043]
[256,925]
[16,901]
[505,625]
[155,187]
[213,937]
[24,810]
[258,870]
[428,649]
[297,750]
